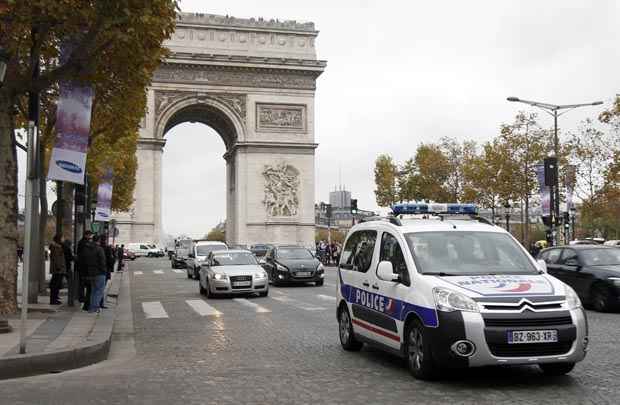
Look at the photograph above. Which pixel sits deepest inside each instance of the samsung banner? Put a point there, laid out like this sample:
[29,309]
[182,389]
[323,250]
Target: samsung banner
[68,160]
[545,196]
[103,212]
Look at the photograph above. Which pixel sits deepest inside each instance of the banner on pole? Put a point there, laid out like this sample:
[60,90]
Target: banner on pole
[73,113]
[545,196]
[103,212]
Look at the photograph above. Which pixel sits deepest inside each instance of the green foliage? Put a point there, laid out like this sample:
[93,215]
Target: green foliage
[385,181]
[216,234]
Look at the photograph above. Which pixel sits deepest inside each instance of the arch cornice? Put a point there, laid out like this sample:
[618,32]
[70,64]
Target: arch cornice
[230,107]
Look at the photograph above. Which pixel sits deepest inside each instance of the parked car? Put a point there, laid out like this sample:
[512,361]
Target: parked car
[155,251]
[128,255]
[198,255]
[592,271]
[612,243]
[139,249]
[232,272]
[293,264]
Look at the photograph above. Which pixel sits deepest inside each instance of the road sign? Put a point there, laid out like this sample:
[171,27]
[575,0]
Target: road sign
[95,227]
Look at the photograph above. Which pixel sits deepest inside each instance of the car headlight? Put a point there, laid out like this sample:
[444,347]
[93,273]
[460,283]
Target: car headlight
[260,275]
[280,267]
[220,276]
[572,299]
[448,301]
[615,281]
[320,267]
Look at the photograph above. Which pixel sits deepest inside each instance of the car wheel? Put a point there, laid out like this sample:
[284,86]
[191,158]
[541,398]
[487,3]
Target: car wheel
[319,283]
[345,329]
[203,291]
[173,265]
[208,292]
[557,368]
[418,349]
[188,274]
[600,299]
[264,293]
[196,275]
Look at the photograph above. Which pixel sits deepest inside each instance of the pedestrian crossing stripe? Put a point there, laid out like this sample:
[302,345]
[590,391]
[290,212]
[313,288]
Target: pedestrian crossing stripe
[178,271]
[158,271]
[138,273]
[326,297]
[154,309]
[202,308]
[251,304]
[298,304]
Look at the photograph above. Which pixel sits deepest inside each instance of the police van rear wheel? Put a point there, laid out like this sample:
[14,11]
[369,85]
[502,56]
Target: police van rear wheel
[419,356]
[345,327]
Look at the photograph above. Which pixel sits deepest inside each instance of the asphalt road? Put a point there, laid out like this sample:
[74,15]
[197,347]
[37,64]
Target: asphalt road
[284,349]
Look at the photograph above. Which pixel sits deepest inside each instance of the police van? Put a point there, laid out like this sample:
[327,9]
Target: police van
[444,288]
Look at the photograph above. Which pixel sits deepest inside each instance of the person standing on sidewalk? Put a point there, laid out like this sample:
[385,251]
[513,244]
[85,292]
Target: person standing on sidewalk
[120,251]
[58,269]
[109,259]
[91,261]
[80,272]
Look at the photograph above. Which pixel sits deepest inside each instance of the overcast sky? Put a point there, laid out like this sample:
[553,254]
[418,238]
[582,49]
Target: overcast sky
[404,72]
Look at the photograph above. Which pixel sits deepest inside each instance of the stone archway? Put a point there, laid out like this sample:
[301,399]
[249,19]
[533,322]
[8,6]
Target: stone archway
[253,82]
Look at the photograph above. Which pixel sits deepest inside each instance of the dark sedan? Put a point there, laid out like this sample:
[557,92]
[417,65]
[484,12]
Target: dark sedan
[592,271]
[292,264]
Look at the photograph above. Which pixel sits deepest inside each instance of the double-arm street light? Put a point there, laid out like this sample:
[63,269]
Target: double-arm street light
[554,111]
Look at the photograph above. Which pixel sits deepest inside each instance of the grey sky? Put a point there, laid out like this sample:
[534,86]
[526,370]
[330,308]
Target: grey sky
[404,72]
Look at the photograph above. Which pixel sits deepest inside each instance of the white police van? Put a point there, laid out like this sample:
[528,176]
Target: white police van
[443,288]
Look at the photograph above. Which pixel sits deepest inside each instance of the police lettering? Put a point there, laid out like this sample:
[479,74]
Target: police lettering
[370,300]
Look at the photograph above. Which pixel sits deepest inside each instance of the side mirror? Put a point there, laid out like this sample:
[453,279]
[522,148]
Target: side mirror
[542,265]
[385,272]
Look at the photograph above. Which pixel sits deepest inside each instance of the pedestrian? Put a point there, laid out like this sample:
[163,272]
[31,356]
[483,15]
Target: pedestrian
[66,249]
[20,253]
[120,251]
[58,269]
[81,273]
[91,262]
[109,261]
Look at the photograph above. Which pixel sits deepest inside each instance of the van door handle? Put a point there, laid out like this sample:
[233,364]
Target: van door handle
[376,287]
[366,284]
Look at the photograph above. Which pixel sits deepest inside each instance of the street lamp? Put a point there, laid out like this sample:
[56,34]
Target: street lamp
[4,61]
[573,214]
[507,212]
[553,110]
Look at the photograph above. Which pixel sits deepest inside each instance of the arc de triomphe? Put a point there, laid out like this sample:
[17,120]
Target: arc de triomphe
[253,82]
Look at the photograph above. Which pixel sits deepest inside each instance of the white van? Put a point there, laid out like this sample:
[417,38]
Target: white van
[139,249]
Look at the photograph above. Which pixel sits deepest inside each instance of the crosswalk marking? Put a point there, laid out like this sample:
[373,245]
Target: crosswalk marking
[298,304]
[138,273]
[154,309]
[158,271]
[202,308]
[251,304]
[326,297]
[178,271]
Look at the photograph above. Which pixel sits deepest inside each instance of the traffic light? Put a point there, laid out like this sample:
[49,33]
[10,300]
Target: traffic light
[551,171]
[353,206]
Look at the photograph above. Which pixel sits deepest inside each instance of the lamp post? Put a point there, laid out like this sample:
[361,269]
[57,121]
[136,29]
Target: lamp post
[4,60]
[554,111]
[573,214]
[507,212]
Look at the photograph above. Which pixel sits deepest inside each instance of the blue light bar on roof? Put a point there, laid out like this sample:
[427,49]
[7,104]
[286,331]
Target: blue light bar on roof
[454,209]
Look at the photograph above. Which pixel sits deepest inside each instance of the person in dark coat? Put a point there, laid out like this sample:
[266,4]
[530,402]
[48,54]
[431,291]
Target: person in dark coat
[66,248]
[81,274]
[120,251]
[58,269]
[109,259]
[91,261]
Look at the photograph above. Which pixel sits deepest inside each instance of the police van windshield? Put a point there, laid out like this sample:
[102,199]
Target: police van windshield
[468,253]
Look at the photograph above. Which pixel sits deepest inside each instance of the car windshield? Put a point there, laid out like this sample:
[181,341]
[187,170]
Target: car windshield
[294,253]
[600,257]
[233,259]
[468,253]
[204,250]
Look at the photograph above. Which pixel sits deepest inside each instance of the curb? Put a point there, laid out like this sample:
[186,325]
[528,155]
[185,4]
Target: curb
[94,349]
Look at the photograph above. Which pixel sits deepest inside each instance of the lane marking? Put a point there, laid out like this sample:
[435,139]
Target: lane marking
[326,297]
[138,273]
[158,272]
[251,304]
[154,309]
[298,304]
[178,271]
[202,308]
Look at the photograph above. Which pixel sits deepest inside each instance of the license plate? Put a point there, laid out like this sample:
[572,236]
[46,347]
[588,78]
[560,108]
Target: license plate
[241,283]
[532,336]
[303,273]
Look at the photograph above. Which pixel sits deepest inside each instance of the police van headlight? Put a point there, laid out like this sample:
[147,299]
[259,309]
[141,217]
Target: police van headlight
[448,301]
[572,299]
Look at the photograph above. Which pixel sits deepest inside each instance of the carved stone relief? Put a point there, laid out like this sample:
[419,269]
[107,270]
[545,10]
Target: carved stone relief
[164,98]
[280,117]
[267,78]
[281,190]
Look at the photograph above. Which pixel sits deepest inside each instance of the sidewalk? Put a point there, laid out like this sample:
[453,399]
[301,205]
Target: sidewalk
[59,337]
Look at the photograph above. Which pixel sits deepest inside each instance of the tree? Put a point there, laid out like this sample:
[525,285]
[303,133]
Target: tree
[408,182]
[216,234]
[456,154]
[385,181]
[116,45]
[433,173]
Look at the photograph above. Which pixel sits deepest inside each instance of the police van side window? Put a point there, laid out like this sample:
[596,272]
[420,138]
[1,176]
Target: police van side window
[391,252]
[358,251]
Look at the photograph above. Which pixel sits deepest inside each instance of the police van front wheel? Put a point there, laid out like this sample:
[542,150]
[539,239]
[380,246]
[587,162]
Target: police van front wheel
[557,368]
[419,355]
[345,328]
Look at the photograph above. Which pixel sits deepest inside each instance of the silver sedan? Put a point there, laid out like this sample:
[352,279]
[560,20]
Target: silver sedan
[232,272]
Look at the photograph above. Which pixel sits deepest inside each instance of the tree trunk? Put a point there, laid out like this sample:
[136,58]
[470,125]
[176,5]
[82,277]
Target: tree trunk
[42,229]
[8,208]
[527,222]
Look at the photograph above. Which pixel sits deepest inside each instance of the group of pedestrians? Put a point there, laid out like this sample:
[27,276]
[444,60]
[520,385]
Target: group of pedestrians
[94,262]
[328,253]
